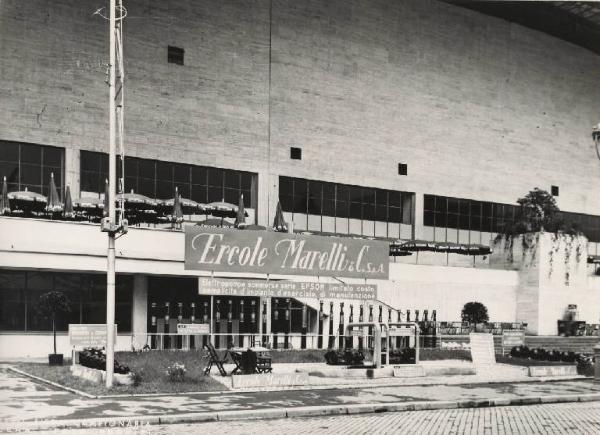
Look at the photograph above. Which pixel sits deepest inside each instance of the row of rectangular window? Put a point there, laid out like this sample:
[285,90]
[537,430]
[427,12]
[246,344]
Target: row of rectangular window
[298,195]
[158,179]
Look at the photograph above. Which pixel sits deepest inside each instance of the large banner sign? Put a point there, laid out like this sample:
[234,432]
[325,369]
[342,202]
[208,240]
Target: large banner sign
[228,250]
[286,289]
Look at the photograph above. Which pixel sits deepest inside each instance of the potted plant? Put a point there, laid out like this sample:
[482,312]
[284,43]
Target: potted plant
[476,314]
[51,305]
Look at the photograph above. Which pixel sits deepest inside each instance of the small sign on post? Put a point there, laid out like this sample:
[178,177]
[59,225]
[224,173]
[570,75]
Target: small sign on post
[193,328]
[88,335]
[401,331]
[511,339]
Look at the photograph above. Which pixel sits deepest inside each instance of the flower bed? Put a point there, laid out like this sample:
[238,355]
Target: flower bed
[96,359]
[522,355]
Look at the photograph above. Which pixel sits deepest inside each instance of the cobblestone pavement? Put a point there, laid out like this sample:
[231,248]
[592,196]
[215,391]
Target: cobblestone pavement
[567,418]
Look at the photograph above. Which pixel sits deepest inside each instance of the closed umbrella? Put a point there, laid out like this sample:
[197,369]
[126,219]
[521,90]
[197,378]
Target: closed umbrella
[68,211]
[279,223]
[476,249]
[414,245]
[240,219]
[4,204]
[397,251]
[53,205]
[176,213]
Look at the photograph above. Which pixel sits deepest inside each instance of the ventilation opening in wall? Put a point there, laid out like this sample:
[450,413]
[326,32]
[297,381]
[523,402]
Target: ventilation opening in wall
[296,153]
[402,169]
[175,55]
[554,190]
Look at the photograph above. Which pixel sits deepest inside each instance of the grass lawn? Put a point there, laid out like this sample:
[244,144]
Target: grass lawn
[442,354]
[151,365]
[529,362]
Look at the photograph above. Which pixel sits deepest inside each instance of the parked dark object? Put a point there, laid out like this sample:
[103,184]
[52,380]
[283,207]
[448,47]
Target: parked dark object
[96,359]
[50,306]
[402,356]
[344,357]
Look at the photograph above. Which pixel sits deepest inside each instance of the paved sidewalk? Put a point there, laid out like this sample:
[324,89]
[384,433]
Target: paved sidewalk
[24,400]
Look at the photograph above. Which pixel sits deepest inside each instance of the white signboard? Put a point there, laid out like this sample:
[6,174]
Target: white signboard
[88,335]
[193,328]
[513,338]
[401,332]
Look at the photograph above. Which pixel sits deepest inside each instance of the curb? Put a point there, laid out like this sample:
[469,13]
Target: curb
[54,384]
[278,413]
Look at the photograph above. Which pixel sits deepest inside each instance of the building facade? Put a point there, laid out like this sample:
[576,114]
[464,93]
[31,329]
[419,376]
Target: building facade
[396,120]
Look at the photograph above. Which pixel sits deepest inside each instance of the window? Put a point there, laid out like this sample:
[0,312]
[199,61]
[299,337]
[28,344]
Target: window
[295,153]
[175,55]
[554,190]
[20,292]
[338,202]
[29,166]
[158,179]
[402,169]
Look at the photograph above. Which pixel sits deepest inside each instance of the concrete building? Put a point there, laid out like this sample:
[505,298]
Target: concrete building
[389,119]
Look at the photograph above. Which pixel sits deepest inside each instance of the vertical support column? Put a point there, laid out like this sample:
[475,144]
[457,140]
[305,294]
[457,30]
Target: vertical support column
[320,331]
[331,336]
[418,216]
[304,327]
[342,338]
[140,311]
[265,319]
[597,367]
[72,171]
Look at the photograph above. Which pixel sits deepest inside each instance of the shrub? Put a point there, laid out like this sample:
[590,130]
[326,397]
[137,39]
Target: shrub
[344,357]
[474,312]
[176,372]
[137,378]
[96,359]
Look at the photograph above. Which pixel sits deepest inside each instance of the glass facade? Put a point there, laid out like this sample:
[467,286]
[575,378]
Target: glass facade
[158,179]
[28,166]
[346,209]
[20,292]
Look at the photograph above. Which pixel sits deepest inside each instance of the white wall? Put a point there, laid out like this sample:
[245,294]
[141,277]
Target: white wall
[40,345]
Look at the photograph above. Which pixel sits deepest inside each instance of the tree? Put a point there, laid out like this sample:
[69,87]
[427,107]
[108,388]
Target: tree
[474,312]
[51,305]
[538,211]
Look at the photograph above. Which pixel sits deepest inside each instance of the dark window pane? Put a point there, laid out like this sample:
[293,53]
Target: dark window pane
[341,209]
[146,187]
[300,203]
[463,222]
[232,179]
[381,213]
[355,210]
[328,207]
[181,174]
[9,152]
[394,198]
[287,202]
[247,198]
[475,208]
[164,171]
[12,309]
[475,223]
[31,154]
[199,193]
[31,174]
[131,184]
[164,189]
[146,168]
[300,187]
[314,205]
[90,182]
[368,212]
[354,194]
[441,204]
[329,190]
[246,181]
[315,189]
[199,174]
[232,196]
[131,167]
[53,156]
[10,170]
[184,190]
[89,161]
[215,194]
[286,186]
[440,219]
[486,209]
[341,192]
[429,202]
[368,196]
[452,205]
[428,219]
[498,210]
[486,224]
[452,221]
[381,197]
[215,177]
[463,207]
[395,215]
